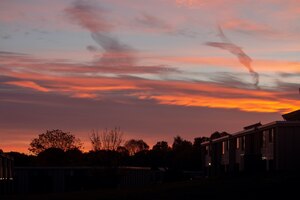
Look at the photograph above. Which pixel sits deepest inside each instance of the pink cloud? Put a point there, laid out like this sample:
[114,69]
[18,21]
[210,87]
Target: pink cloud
[198,3]
[28,84]
[247,26]
[153,23]
[89,16]
[33,15]
[261,65]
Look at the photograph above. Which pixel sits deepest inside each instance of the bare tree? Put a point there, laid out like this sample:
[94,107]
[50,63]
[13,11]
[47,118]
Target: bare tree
[107,139]
[95,140]
[54,139]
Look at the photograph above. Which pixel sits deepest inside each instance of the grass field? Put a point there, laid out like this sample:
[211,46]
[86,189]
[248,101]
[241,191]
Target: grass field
[233,188]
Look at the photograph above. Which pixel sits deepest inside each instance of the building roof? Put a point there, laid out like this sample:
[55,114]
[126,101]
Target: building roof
[266,126]
[252,126]
[292,119]
[221,138]
[292,116]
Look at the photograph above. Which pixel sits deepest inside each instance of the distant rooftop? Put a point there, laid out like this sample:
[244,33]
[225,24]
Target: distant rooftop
[252,126]
[292,116]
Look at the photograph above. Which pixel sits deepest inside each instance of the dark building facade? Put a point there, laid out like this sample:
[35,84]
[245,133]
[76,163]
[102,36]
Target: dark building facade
[257,148]
[6,174]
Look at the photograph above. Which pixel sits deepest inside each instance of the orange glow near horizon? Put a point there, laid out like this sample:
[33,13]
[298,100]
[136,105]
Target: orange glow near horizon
[250,105]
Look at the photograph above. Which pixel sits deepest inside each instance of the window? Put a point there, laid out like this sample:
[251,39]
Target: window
[223,147]
[243,141]
[264,138]
[207,150]
[261,136]
[271,135]
[237,143]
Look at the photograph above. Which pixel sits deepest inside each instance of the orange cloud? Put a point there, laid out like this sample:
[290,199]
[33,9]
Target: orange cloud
[217,96]
[102,88]
[28,84]
[244,104]
[77,81]
[169,92]
[85,95]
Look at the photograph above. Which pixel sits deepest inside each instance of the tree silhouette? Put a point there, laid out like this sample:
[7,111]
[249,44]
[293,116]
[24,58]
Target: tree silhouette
[123,151]
[160,154]
[198,141]
[180,144]
[95,140]
[74,157]
[107,139]
[218,134]
[51,157]
[54,139]
[161,146]
[197,152]
[21,159]
[134,146]
[182,153]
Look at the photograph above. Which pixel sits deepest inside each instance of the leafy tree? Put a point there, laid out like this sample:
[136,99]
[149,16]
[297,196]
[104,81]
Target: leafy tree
[104,158]
[54,139]
[123,151]
[197,152]
[198,141]
[217,134]
[141,158]
[180,144]
[182,153]
[107,139]
[160,154]
[161,146]
[52,157]
[133,146]
[21,159]
[74,157]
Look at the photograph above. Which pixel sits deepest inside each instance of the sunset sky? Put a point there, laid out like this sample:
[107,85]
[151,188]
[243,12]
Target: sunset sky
[156,68]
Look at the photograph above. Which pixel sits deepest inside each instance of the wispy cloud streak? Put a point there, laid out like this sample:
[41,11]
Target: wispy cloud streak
[238,52]
[28,84]
[153,22]
[88,16]
[91,17]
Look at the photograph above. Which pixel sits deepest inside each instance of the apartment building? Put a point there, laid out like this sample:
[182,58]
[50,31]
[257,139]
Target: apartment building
[258,147]
[6,174]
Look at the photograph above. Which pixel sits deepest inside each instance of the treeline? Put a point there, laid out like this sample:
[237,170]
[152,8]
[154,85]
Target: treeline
[58,148]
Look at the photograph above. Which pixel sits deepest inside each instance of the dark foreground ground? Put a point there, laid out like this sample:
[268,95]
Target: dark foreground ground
[229,188]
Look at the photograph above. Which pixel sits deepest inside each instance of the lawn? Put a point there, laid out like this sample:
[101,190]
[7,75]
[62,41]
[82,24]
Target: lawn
[228,188]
